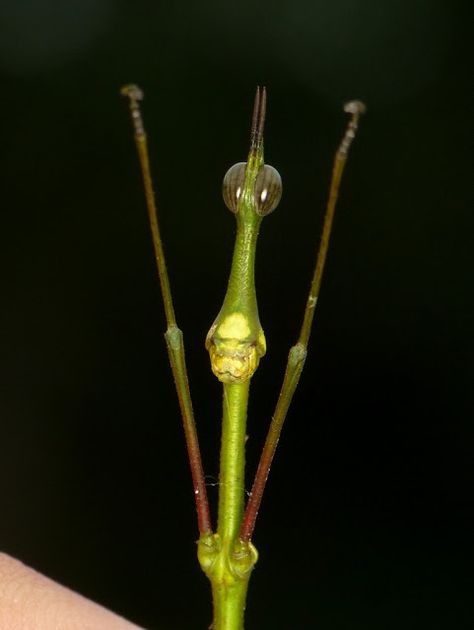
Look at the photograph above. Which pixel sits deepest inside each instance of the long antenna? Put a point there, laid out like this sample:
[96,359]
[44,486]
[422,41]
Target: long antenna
[258,118]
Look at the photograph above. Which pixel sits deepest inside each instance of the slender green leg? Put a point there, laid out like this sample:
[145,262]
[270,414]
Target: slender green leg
[173,335]
[297,354]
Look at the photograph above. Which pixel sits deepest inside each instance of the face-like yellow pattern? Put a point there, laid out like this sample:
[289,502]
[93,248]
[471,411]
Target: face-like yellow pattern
[234,349]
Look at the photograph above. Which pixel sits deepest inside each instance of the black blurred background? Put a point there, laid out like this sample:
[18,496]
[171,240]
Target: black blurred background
[366,521]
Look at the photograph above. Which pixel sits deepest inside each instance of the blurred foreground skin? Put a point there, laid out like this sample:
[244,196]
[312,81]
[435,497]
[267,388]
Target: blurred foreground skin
[31,601]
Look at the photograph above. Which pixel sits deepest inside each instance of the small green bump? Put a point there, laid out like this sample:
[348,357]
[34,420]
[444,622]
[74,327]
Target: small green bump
[209,547]
[174,337]
[297,354]
[243,559]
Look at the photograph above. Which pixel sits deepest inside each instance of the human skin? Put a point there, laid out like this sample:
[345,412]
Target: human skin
[31,601]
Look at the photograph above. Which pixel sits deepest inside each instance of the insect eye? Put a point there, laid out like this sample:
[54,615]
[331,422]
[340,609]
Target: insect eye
[233,185]
[267,190]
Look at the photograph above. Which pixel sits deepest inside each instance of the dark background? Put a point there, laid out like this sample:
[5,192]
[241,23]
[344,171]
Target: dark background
[366,520]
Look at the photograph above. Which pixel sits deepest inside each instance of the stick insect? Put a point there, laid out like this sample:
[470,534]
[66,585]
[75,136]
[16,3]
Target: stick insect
[236,343]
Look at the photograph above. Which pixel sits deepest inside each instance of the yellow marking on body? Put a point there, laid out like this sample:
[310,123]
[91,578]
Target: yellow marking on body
[234,326]
[235,348]
[262,344]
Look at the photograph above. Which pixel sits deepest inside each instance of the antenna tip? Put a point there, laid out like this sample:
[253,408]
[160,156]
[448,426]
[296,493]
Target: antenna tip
[132,91]
[355,107]
[258,117]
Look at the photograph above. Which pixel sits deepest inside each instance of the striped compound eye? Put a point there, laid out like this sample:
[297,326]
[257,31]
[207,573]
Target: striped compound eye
[233,185]
[268,189]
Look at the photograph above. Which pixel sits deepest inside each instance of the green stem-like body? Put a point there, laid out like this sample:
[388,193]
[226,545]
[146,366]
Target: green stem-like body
[236,343]
[225,559]
[232,462]
[229,584]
